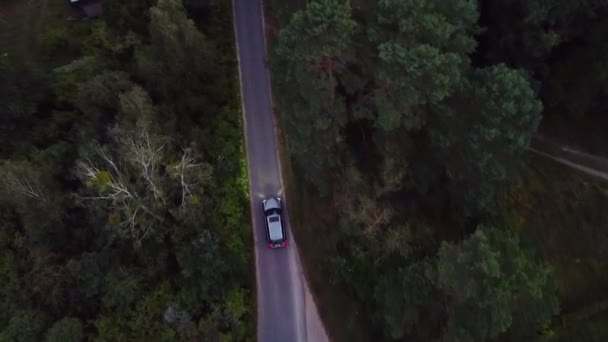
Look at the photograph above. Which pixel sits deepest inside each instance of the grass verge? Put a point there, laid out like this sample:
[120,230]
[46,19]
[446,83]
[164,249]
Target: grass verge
[562,211]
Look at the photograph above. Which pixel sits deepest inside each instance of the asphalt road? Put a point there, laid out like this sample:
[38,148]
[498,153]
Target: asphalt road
[285,309]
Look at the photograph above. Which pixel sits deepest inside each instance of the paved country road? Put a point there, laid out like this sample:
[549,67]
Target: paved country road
[285,309]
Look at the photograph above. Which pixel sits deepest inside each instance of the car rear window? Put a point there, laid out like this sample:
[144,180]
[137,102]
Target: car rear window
[273,219]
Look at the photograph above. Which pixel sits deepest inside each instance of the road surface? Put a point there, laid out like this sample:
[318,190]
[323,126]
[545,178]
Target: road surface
[285,309]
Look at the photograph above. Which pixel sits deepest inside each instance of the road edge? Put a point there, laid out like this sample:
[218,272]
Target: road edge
[307,292]
[581,168]
[251,206]
[293,243]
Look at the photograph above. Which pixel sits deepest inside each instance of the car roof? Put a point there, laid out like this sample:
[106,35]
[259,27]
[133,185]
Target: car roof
[272,203]
[274,227]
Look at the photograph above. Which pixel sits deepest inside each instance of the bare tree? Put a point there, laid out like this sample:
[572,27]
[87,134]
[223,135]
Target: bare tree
[20,178]
[367,212]
[182,170]
[182,321]
[393,175]
[146,153]
[112,186]
[362,209]
[139,179]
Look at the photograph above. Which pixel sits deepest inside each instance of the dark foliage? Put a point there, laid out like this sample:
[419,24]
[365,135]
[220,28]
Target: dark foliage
[166,257]
[410,120]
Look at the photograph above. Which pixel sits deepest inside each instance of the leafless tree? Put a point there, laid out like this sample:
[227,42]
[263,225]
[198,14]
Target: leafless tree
[181,170]
[181,320]
[362,208]
[147,154]
[369,213]
[393,175]
[138,178]
[21,179]
[117,191]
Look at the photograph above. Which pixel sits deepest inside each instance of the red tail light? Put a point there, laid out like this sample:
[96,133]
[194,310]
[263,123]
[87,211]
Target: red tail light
[284,243]
[270,245]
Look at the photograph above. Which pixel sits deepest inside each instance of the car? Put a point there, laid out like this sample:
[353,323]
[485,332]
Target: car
[273,220]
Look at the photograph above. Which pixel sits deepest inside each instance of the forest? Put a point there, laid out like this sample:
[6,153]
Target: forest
[420,214]
[123,188]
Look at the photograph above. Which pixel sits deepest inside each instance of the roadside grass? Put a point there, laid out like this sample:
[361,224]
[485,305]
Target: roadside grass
[589,324]
[231,146]
[565,214]
[589,135]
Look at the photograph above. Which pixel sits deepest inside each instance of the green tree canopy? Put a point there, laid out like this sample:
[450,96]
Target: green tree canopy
[406,297]
[482,131]
[25,325]
[178,64]
[128,114]
[23,87]
[490,280]
[67,329]
[310,57]
[422,49]
[523,32]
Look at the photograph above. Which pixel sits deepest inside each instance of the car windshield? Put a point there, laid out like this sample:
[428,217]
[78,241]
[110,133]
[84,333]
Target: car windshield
[271,204]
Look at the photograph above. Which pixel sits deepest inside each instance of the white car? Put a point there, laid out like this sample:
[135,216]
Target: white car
[273,220]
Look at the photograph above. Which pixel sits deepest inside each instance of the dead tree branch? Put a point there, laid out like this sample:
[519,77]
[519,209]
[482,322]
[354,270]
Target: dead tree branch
[20,180]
